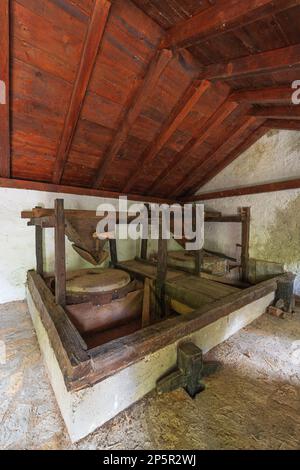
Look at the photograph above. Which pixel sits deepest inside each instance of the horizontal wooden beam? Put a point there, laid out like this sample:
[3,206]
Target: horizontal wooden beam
[55,188]
[283,124]
[247,190]
[277,112]
[264,62]
[180,112]
[271,95]
[4,90]
[90,50]
[145,90]
[224,16]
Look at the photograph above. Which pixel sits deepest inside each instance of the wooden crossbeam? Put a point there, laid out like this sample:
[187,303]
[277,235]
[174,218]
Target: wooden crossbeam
[247,190]
[278,112]
[224,16]
[198,170]
[270,95]
[249,141]
[265,62]
[4,90]
[200,135]
[87,62]
[283,124]
[155,70]
[180,112]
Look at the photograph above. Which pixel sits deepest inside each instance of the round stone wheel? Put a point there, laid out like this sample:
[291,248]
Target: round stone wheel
[105,280]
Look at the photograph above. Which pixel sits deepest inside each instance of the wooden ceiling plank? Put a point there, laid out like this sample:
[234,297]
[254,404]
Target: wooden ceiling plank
[147,87]
[278,112]
[197,172]
[223,17]
[180,112]
[247,190]
[265,62]
[90,50]
[270,95]
[5,162]
[282,124]
[249,141]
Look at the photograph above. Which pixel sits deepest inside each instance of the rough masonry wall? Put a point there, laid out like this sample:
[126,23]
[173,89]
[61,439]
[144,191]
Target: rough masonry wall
[275,217]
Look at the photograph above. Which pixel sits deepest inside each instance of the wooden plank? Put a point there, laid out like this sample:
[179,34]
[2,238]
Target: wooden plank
[147,87]
[246,214]
[224,16]
[60,253]
[247,190]
[177,116]
[199,256]
[270,95]
[5,170]
[89,54]
[264,62]
[56,188]
[146,313]
[162,269]
[39,252]
[113,251]
[282,124]
[144,248]
[277,112]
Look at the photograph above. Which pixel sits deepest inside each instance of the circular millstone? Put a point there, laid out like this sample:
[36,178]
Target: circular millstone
[101,281]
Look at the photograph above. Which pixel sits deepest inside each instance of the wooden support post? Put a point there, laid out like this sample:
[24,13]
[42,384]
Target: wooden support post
[113,251]
[146,314]
[144,247]
[162,268]
[245,212]
[39,249]
[144,241]
[60,253]
[199,255]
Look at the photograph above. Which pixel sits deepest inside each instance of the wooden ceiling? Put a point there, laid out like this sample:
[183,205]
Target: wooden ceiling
[148,98]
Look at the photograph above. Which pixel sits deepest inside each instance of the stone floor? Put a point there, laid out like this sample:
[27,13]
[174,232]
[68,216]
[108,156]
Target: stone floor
[253,402]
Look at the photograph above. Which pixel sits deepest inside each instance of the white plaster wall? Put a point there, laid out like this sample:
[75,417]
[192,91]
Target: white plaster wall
[275,217]
[17,240]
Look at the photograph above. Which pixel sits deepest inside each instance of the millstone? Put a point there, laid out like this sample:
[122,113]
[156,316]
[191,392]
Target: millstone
[105,280]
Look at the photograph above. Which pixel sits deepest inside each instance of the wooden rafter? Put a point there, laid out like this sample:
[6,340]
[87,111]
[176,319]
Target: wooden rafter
[247,190]
[155,70]
[180,112]
[200,135]
[4,91]
[249,141]
[198,171]
[278,112]
[264,62]
[224,16]
[88,57]
[283,124]
[270,95]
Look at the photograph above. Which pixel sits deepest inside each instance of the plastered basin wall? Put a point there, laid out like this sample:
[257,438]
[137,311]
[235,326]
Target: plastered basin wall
[86,410]
[275,217]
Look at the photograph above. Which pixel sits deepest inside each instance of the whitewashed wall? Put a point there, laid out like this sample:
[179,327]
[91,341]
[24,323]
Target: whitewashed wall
[275,217]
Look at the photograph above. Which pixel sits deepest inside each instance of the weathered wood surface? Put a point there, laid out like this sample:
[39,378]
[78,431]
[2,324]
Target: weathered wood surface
[5,163]
[60,253]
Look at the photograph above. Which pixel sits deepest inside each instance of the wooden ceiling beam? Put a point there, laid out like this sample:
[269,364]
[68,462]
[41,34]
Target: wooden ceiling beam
[200,135]
[249,141]
[58,188]
[177,116]
[198,170]
[246,190]
[265,62]
[283,124]
[278,112]
[155,70]
[224,16]
[5,162]
[89,54]
[270,95]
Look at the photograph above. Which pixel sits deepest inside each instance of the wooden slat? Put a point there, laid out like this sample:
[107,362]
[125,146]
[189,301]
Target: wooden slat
[4,90]
[224,16]
[147,88]
[89,53]
[249,141]
[277,112]
[60,253]
[246,213]
[183,108]
[264,62]
[264,95]
[201,135]
[283,124]
[247,190]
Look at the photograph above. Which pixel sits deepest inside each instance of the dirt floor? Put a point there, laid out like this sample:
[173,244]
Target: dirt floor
[253,402]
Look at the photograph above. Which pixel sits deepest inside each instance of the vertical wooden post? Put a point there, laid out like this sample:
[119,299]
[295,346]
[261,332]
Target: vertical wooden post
[162,268]
[60,253]
[113,251]
[144,241]
[4,91]
[199,255]
[245,213]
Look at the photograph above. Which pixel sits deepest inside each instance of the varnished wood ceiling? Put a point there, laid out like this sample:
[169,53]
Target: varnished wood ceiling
[143,97]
